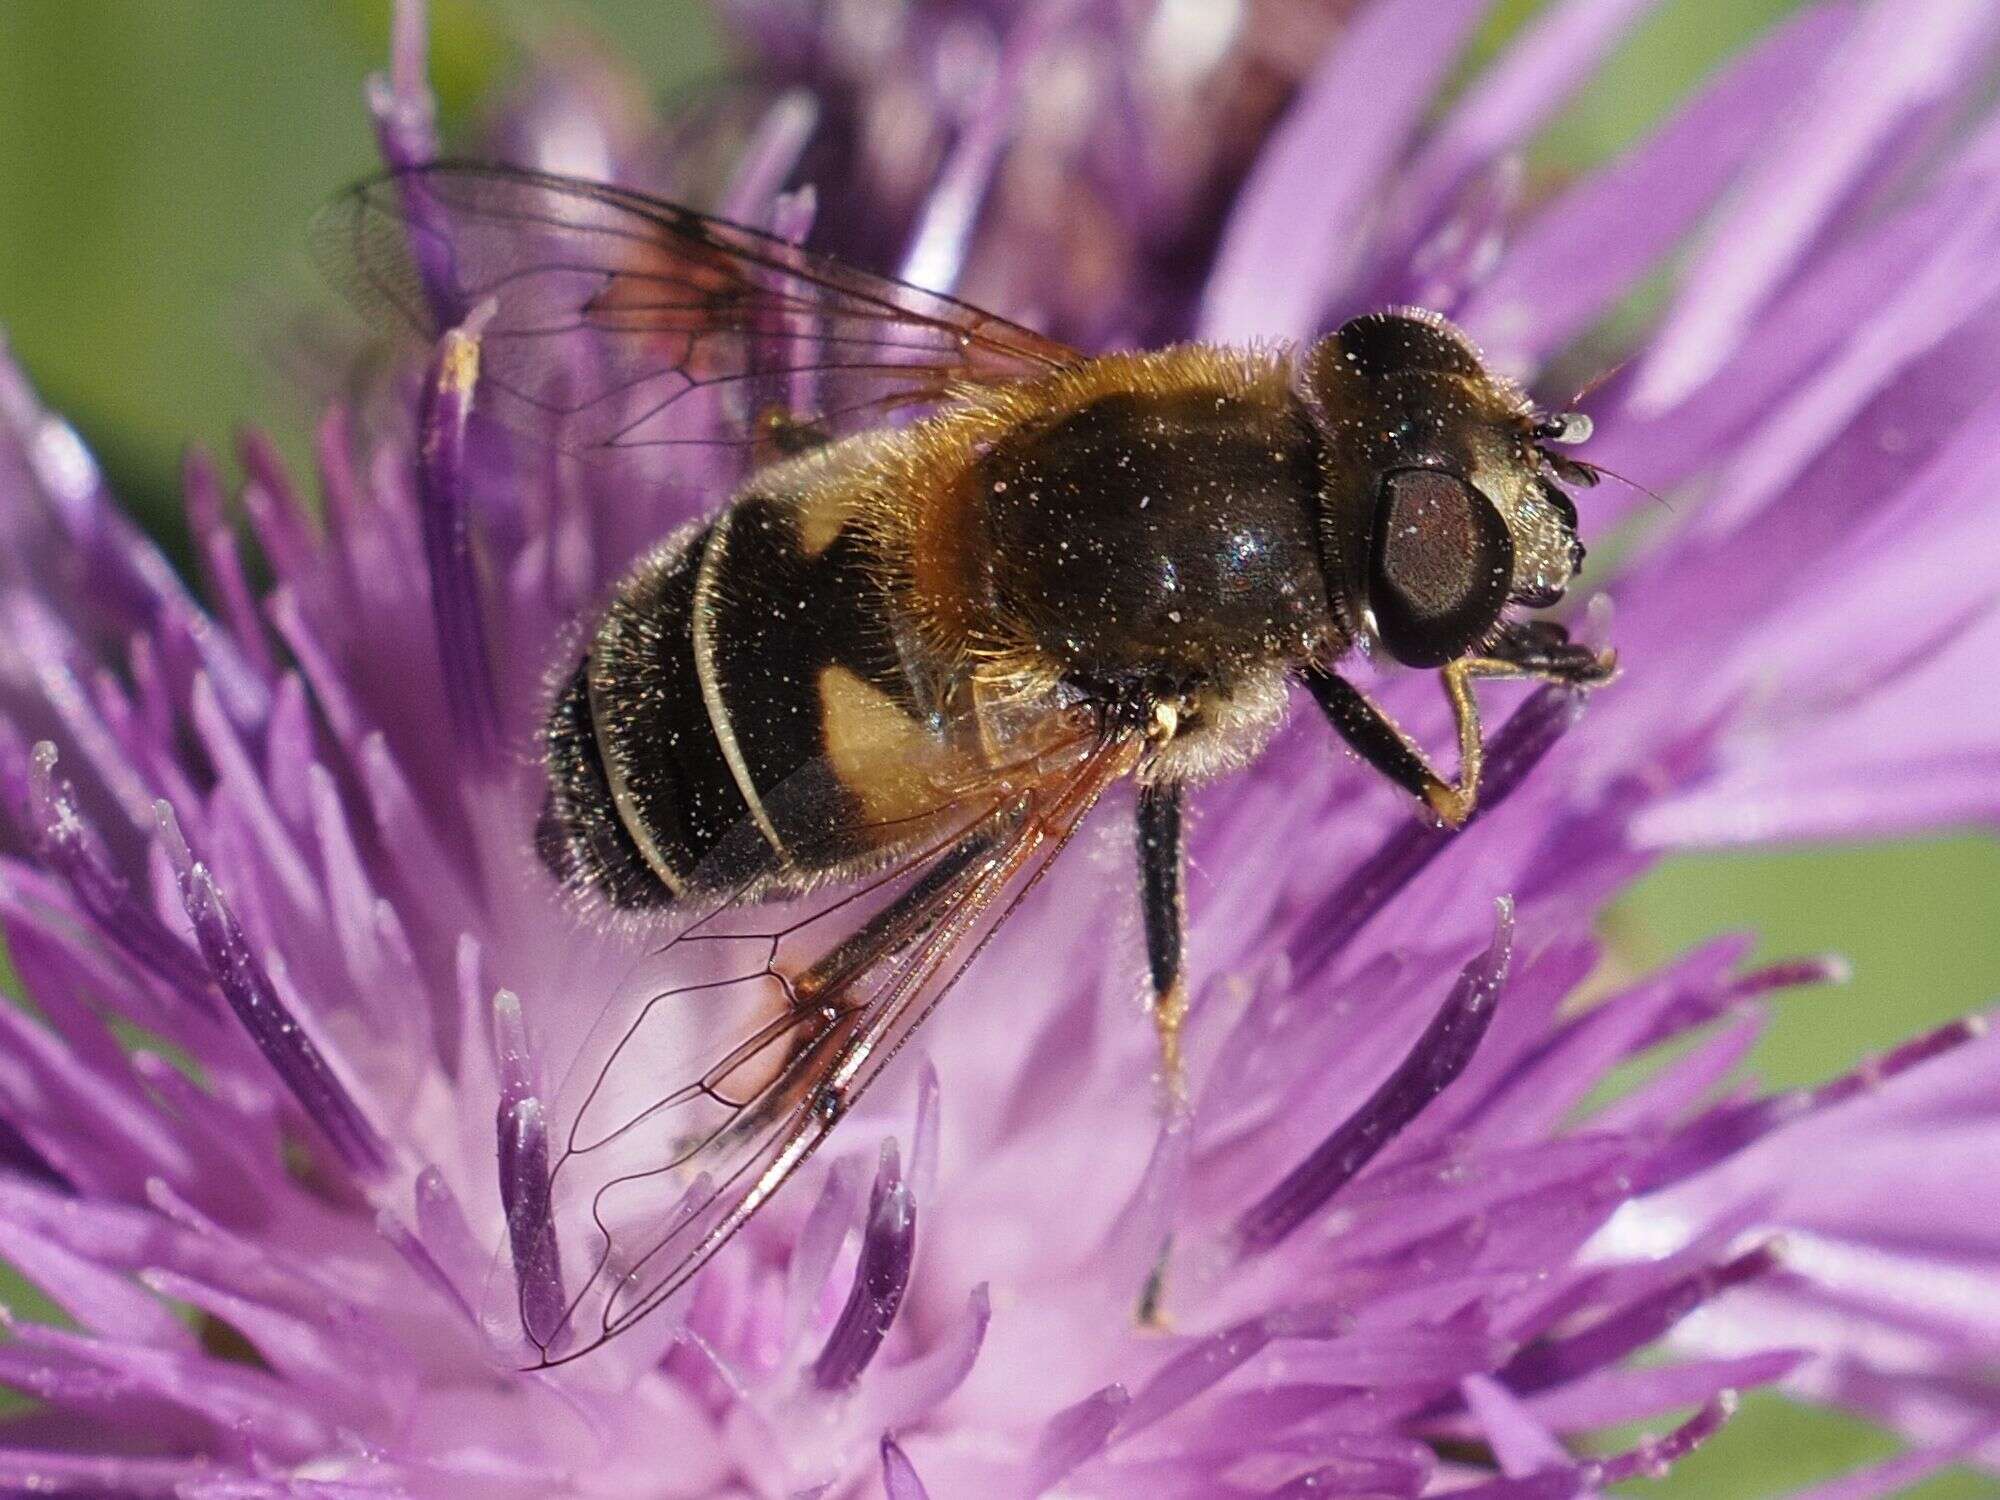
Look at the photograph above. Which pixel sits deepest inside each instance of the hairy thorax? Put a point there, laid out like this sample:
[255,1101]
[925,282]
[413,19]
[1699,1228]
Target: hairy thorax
[1139,531]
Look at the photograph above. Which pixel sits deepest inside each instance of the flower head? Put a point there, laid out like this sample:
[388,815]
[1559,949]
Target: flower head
[277,1135]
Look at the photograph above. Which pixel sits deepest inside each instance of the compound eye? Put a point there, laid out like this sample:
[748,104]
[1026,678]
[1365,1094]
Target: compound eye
[1440,565]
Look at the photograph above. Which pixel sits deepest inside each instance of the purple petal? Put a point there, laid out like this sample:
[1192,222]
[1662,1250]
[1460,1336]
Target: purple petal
[924,1134]
[66,842]
[1681,1086]
[1192,1371]
[1874,1072]
[1555,1361]
[1551,58]
[22,1159]
[1571,261]
[1893,61]
[937,250]
[899,1475]
[291,744]
[1543,1086]
[334,1356]
[331,693]
[1632,1394]
[404,1241]
[1464,249]
[524,1191]
[1520,1442]
[93,1477]
[447,533]
[1406,1356]
[292,1053]
[1438,1057]
[406,133]
[234,1139]
[1529,734]
[898,1396]
[1826,968]
[98,1299]
[43,642]
[1733,1127]
[770,158]
[792,214]
[351,900]
[249,1401]
[427,867]
[888,1247]
[1932,301]
[276,513]
[1074,1436]
[1362,1476]
[442,1226]
[1653,1457]
[222,560]
[85,1121]
[249,801]
[1297,232]
[513,1055]
[123,573]
[819,1241]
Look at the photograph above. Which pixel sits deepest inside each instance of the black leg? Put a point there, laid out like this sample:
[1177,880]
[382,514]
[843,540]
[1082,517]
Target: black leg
[1161,896]
[1372,734]
[1543,649]
[1536,649]
[1162,899]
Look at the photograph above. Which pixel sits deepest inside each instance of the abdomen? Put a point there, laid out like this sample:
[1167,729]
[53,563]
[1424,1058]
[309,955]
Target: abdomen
[743,714]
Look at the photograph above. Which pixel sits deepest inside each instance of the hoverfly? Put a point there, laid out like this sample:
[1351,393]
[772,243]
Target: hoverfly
[891,674]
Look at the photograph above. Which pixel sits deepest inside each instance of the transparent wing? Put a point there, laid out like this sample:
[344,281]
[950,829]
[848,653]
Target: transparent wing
[624,321]
[698,1097]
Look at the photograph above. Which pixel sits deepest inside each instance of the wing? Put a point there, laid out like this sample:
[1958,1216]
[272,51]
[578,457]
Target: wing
[700,1097]
[624,321]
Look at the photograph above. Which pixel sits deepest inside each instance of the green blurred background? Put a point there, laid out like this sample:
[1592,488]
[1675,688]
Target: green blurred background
[159,160]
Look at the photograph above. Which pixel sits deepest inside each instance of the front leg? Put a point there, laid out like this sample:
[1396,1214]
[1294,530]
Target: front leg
[1542,649]
[1537,650]
[1380,741]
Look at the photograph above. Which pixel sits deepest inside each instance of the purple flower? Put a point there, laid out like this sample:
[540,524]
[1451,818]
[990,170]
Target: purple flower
[275,1137]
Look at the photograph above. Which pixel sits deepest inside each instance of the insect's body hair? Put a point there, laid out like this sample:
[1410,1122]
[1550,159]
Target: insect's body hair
[928,495]
[1022,554]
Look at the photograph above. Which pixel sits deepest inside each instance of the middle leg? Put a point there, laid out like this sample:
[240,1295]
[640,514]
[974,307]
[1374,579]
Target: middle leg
[1160,863]
[1163,902]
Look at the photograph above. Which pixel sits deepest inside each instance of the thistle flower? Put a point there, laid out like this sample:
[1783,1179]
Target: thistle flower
[300,999]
